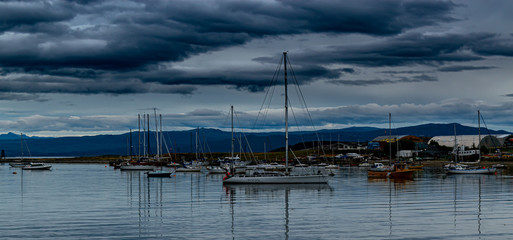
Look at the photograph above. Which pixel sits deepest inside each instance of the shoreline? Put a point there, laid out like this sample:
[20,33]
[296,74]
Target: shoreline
[96,159]
[107,159]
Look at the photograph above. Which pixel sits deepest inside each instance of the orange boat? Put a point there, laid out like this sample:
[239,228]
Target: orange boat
[416,167]
[397,171]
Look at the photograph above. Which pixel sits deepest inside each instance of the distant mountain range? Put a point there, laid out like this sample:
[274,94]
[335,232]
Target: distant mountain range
[212,140]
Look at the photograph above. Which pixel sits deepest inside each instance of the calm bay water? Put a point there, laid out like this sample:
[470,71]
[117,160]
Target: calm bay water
[85,201]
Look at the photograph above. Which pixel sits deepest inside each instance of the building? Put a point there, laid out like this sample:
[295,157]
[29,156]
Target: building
[472,141]
[381,141]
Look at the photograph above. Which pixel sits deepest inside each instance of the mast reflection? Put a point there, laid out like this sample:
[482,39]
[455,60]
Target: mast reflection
[243,192]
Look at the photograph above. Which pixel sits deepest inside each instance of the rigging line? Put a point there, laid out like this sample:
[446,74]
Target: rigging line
[165,144]
[252,155]
[208,146]
[268,107]
[276,72]
[297,125]
[28,150]
[302,96]
[488,130]
[304,102]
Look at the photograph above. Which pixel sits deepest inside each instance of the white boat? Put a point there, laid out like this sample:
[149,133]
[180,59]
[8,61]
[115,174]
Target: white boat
[37,166]
[277,177]
[462,169]
[364,164]
[188,169]
[173,164]
[18,164]
[216,170]
[332,166]
[465,169]
[137,168]
[159,137]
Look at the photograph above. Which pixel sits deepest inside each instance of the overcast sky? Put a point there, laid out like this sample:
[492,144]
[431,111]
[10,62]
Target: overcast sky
[89,67]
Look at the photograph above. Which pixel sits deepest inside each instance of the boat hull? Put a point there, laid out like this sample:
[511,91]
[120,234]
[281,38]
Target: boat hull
[299,179]
[188,170]
[416,167]
[159,174]
[45,167]
[137,168]
[216,171]
[18,165]
[472,171]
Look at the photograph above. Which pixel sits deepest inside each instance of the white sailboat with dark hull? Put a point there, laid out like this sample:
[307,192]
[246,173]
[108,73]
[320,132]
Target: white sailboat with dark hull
[134,167]
[459,168]
[287,177]
[160,172]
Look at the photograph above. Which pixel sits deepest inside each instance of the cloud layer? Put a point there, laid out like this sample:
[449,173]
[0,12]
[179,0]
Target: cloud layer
[354,49]
[118,47]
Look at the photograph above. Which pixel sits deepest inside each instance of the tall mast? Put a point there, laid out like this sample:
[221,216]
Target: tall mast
[156,131]
[130,144]
[232,131]
[139,135]
[21,145]
[161,135]
[390,137]
[197,145]
[286,115]
[148,129]
[455,145]
[479,127]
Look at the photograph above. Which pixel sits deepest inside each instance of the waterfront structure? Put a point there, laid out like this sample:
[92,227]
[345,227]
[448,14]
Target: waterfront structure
[472,141]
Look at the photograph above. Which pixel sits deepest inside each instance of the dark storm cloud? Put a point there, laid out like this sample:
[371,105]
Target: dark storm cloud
[93,39]
[16,15]
[88,47]
[52,84]
[407,49]
[402,79]
[464,68]
[134,34]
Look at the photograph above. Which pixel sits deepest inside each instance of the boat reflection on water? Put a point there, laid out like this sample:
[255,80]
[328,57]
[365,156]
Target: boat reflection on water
[464,195]
[237,193]
[265,189]
[146,196]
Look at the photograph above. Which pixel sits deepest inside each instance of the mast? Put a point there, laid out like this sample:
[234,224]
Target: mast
[21,145]
[390,137]
[156,132]
[479,127]
[139,135]
[286,115]
[148,129]
[161,136]
[130,144]
[232,149]
[455,146]
[232,131]
[197,132]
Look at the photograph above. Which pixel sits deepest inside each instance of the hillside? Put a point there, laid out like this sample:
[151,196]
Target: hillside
[211,140]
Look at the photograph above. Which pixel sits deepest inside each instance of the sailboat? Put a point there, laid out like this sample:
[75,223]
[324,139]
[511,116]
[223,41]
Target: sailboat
[279,177]
[397,170]
[32,165]
[194,165]
[134,167]
[160,172]
[19,163]
[465,169]
[220,169]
